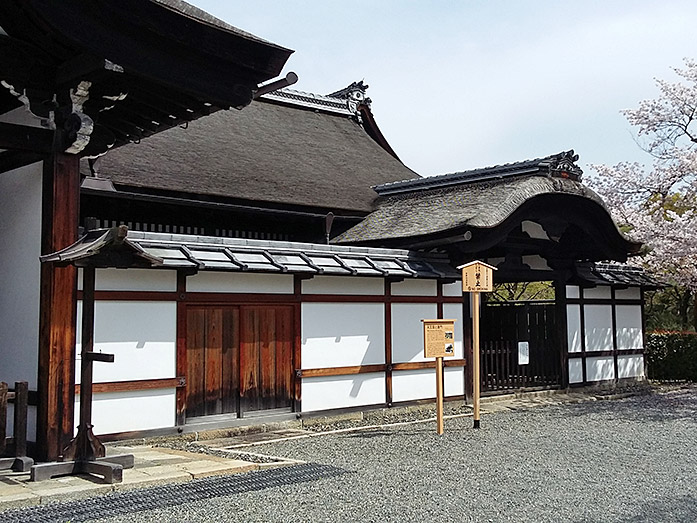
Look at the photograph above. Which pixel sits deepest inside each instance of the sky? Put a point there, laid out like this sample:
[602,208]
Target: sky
[457,85]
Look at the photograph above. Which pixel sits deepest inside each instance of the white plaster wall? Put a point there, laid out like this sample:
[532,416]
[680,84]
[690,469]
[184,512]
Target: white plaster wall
[142,336]
[415,288]
[342,334]
[630,366]
[408,385]
[133,280]
[573,327]
[602,291]
[630,293]
[601,368]
[452,289]
[344,285]
[629,327]
[134,410]
[20,277]
[575,370]
[407,330]
[572,291]
[453,311]
[598,320]
[454,381]
[209,281]
[335,392]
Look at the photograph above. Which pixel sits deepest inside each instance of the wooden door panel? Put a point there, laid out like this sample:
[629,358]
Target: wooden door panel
[214,358]
[266,357]
[249,359]
[230,386]
[195,357]
[284,356]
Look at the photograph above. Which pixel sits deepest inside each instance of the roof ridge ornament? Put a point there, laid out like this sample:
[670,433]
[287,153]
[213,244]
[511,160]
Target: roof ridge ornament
[563,165]
[354,94]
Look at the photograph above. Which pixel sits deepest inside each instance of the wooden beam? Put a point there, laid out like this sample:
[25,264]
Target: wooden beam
[10,160]
[134,385]
[58,304]
[25,138]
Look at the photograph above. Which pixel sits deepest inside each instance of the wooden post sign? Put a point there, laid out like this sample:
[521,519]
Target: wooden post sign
[477,277]
[439,342]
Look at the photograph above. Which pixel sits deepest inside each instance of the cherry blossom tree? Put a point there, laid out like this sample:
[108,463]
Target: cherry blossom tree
[658,205]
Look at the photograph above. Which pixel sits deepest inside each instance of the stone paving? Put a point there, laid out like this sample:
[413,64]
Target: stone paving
[153,466]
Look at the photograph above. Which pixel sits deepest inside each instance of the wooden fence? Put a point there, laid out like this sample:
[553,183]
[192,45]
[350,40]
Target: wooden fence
[14,449]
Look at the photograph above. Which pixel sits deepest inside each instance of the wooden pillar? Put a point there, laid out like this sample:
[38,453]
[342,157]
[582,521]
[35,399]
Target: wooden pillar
[58,304]
[467,343]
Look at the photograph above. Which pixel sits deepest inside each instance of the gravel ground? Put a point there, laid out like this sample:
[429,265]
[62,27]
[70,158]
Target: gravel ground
[629,460]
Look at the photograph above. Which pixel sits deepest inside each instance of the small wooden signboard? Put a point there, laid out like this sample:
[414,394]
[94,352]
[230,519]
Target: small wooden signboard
[439,343]
[477,276]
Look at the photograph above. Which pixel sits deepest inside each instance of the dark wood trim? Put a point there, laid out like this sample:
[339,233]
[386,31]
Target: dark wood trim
[439,297]
[297,342]
[388,343]
[182,363]
[605,353]
[225,298]
[133,295]
[417,365]
[237,298]
[602,301]
[340,371]
[562,329]
[374,298]
[58,308]
[136,385]
[467,346]
[25,138]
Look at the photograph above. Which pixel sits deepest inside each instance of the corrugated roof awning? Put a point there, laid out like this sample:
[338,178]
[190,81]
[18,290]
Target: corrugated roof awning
[119,247]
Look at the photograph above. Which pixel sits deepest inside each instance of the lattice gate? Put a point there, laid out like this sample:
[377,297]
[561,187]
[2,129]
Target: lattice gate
[503,326]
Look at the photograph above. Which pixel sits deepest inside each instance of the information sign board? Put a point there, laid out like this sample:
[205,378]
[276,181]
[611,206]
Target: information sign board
[439,338]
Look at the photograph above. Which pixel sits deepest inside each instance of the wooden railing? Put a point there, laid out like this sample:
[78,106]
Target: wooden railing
[14,448]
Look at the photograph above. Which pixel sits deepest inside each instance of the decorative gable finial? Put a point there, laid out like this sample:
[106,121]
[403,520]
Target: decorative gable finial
[563,165]
[354,94]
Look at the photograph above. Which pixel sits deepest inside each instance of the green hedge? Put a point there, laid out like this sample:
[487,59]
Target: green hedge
[671,356]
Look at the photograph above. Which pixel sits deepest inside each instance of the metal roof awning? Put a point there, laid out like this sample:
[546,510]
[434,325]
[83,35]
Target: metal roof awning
[119,247]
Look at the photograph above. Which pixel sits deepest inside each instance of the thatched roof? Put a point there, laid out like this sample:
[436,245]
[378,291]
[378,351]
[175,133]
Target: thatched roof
[420,212]
[293,148]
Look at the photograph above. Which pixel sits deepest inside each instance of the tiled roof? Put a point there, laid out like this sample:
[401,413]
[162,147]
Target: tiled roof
[309,100]
[562,164]
[178,251]
[616,274]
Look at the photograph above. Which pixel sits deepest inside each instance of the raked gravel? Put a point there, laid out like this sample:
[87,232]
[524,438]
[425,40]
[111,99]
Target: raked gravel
[627,460]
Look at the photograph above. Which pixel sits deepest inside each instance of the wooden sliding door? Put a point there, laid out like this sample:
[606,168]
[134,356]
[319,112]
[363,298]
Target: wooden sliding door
[239,359]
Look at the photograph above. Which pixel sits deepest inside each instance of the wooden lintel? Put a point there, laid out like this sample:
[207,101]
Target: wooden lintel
[25,138]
